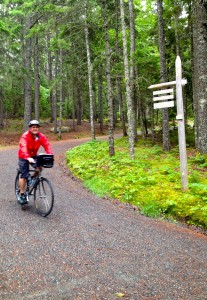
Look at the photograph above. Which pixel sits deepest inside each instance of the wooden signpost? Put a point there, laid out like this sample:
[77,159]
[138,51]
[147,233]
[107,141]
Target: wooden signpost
[161,99]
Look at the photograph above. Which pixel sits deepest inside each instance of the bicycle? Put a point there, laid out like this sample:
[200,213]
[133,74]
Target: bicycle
[41,188]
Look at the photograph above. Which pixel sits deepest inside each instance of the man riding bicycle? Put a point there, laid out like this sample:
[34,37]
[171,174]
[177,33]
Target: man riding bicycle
[29,145]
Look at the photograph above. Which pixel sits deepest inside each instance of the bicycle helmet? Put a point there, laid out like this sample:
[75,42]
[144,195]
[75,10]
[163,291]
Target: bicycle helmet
[34,122]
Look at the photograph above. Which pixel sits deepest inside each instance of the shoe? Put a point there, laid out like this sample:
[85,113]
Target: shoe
[22,199]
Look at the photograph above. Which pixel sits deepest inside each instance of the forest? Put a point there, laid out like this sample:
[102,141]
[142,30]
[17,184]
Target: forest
[94,60]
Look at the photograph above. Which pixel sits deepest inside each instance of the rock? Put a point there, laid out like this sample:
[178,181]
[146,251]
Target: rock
[63,129]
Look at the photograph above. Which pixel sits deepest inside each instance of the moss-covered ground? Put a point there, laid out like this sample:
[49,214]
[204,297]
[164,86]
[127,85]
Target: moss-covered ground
[151,181]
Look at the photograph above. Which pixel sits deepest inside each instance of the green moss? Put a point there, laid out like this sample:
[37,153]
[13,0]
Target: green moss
[151,181]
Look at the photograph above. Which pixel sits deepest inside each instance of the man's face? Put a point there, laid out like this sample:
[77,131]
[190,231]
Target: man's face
[34,129]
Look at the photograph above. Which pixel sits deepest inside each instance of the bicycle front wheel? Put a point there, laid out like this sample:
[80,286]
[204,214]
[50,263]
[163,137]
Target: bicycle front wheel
[43,197]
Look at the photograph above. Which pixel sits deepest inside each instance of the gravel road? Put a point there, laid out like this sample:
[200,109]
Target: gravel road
[91,248]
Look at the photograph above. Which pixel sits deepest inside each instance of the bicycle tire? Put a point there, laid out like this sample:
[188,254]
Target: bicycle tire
[43,197]
[17,185]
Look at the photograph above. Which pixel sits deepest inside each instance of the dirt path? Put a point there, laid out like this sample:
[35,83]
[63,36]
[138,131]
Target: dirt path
[92,249]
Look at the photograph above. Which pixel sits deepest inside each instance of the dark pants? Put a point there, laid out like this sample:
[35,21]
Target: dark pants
[24,167]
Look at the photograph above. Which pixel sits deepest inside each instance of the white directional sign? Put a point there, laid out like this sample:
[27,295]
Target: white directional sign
[161,98]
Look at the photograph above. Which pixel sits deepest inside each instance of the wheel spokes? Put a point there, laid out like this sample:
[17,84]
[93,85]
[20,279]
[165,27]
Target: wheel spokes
[44,197]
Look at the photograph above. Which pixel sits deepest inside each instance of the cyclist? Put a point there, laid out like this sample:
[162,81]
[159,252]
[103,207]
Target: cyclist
[29,145]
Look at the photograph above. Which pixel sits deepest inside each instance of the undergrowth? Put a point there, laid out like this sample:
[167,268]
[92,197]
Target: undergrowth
[151,181]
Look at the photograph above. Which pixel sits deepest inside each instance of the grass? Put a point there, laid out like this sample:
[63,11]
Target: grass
[151,181]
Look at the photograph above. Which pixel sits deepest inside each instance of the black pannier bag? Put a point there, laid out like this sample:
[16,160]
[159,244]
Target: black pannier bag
[45,160]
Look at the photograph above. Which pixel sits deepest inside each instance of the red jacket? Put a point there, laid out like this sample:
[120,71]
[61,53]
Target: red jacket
[28,145]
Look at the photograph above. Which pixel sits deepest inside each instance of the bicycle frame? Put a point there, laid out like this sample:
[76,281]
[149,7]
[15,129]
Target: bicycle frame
[30,189]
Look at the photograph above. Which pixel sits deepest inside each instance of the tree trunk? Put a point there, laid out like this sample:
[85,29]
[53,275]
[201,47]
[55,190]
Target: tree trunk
[121,107]
[130,111]
[1,109]
[50,78]
[165,115]
[89,73]
[152,124]
[109,85]
[176,19]
[95,115]
[118,77]
[73,100]
[79,102]
[100,99]
[200,72]
[27,54]
[61,95]
[142,116]
[67,100]
[36,78]
[55,96]
[189,87]
[133,64]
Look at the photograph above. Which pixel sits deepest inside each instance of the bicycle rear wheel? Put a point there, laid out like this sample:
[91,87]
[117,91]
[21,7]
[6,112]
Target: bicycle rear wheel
[43,197]
[17,185]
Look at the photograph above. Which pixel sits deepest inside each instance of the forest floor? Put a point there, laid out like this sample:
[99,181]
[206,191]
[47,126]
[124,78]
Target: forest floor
[12,131]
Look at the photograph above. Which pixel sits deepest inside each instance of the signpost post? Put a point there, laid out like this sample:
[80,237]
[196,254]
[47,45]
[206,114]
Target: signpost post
[181,125]
[161,100]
